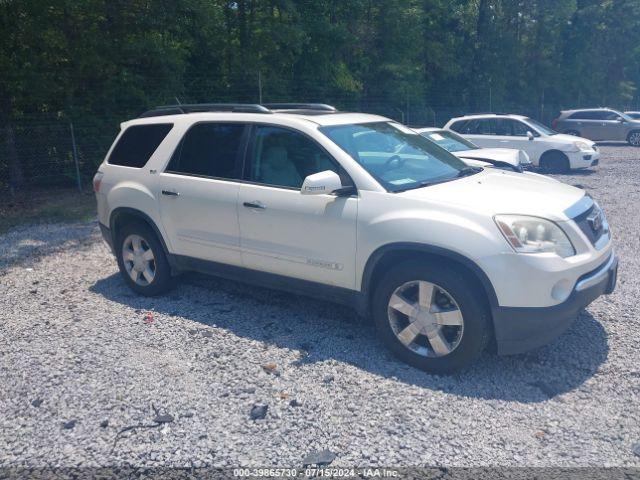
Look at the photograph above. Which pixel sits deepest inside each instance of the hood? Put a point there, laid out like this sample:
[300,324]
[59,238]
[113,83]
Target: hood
[506,155]
[495,191]
[563,137]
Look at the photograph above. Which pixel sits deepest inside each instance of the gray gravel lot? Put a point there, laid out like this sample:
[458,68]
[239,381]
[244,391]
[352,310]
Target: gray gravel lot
[81,360]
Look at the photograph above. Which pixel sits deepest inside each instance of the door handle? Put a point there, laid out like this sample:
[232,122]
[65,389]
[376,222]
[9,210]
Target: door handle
[170,193]
[255,204]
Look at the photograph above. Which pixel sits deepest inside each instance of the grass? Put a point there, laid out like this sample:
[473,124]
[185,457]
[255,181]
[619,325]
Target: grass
[46,206]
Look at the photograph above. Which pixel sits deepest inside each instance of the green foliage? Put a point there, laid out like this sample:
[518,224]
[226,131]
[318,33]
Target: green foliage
[114,58]
[98,62]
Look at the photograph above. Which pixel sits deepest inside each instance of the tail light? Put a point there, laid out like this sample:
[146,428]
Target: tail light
[554,123]
[97,180]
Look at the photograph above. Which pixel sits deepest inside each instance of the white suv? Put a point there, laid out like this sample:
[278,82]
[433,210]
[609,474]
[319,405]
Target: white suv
[547,149]
[358,209]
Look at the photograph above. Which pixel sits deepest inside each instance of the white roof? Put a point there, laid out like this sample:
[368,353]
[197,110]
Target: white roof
[491,115]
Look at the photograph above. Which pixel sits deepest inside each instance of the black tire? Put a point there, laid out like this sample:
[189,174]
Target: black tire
[554,162]
[162,280]
[634,138]
[466,292]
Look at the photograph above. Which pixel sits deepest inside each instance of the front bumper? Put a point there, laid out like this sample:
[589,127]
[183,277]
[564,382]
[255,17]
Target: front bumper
[583,159]
[519,329]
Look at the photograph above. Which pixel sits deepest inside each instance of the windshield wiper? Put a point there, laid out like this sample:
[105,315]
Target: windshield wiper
[424,183]
[466,171]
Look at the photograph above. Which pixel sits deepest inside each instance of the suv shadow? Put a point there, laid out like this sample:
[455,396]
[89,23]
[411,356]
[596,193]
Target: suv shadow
[323,331]
[585,172]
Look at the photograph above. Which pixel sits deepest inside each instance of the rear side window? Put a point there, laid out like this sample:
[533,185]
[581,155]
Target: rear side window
[581,116]
[593,115]
[209,150]
[137,144]
[479,127]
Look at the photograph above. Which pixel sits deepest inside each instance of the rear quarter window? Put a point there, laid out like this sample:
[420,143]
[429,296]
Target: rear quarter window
[458,126]
[137,144]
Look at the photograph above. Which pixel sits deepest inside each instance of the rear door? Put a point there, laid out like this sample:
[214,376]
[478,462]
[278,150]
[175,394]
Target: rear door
[199,192]
[309,237]
[480,132]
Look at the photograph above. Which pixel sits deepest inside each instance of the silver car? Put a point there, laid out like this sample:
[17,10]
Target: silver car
[599,124]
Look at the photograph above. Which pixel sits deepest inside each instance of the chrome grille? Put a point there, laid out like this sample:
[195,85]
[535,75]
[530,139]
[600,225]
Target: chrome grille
[592,223]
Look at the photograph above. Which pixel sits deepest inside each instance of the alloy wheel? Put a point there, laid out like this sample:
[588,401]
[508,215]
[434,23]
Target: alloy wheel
[138,260]
[634,139]
[425,318]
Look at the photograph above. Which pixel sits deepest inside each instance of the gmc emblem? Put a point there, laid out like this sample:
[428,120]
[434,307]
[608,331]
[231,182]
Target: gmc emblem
[595,221]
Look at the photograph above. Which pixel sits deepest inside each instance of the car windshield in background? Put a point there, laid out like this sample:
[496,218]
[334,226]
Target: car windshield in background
[451,142]
[626,117]
[543,128]
[397,157]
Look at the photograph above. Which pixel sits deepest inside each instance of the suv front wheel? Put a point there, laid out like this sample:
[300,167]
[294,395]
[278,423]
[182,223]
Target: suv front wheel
[432,317]
[634,138]
[142,261]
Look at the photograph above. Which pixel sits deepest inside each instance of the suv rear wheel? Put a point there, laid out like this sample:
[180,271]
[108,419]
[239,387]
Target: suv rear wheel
[432,317]
[142,261]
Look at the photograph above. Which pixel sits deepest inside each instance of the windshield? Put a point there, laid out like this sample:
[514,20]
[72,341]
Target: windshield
[450,141]
[397,157]
[541,127]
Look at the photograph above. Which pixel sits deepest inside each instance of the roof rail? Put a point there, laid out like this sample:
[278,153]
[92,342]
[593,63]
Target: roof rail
[236,107]
[301,106]
[205,107]
[486,113]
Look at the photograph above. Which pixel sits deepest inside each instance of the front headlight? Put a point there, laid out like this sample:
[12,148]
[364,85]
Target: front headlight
[534,235]
[582,145]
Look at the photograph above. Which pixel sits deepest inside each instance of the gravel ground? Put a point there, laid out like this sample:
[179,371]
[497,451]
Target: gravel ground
[82,359]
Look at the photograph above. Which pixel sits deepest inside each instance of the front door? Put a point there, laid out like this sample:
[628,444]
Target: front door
[309,237]
[510,133]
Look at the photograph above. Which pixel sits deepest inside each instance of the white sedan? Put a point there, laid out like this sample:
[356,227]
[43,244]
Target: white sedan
[507,158]
[547,149]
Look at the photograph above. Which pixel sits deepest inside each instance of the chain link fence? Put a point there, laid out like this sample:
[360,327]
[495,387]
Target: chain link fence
[37,154]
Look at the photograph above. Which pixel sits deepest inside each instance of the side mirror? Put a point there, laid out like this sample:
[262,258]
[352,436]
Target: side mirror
[530,135]
[321,183]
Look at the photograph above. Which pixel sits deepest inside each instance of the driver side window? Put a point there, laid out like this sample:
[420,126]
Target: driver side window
[609,115]
[519,129]
[284,158]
